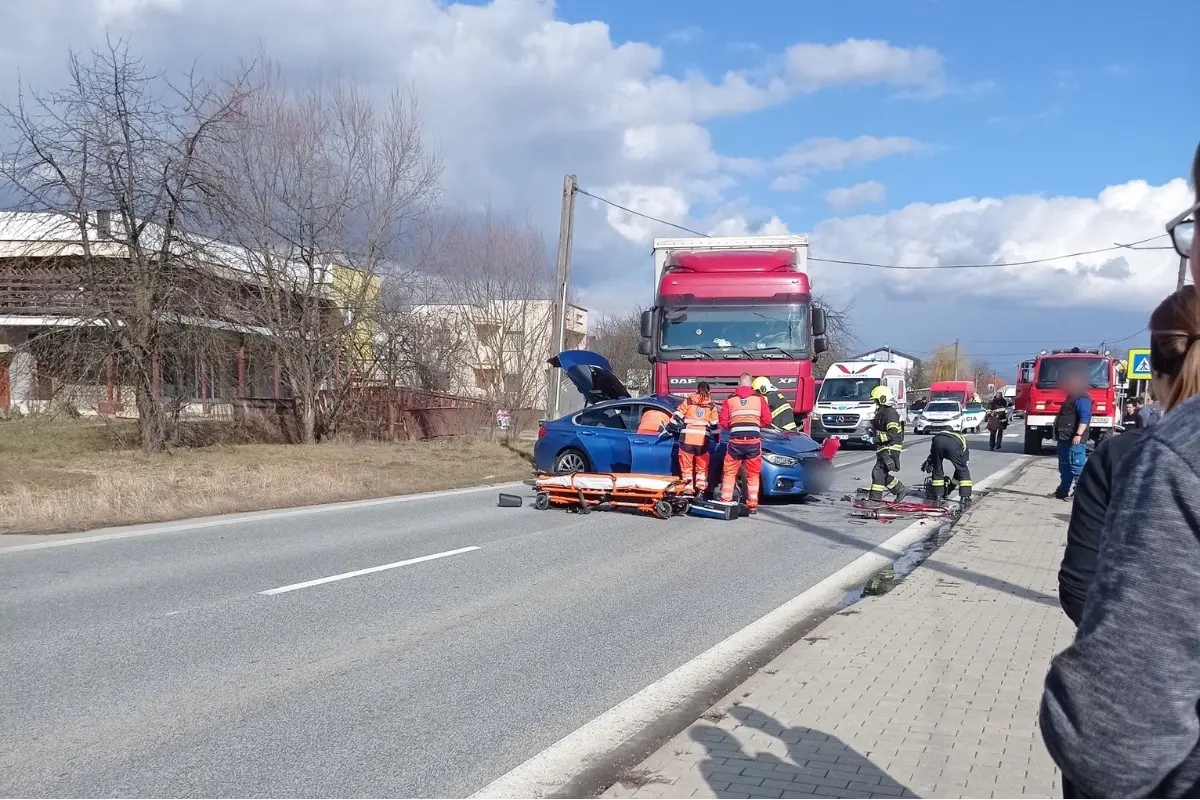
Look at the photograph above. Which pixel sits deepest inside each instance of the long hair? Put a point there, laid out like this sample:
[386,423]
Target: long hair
[1175,344]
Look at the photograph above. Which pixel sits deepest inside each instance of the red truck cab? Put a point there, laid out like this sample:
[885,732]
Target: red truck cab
[728,306]
[962,391]
[1024,386]
[1045,398]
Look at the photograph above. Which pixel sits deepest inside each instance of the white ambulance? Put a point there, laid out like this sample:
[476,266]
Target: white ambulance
[844,407]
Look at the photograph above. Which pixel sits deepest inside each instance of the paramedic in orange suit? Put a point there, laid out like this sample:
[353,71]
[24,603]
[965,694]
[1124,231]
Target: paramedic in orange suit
[653,421]
[695,422]
[744,415]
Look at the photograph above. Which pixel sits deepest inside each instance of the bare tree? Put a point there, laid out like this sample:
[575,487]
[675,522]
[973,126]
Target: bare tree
[324,185]
[116,165]
[500,280]
[616,337]
[839,333]
[418,345]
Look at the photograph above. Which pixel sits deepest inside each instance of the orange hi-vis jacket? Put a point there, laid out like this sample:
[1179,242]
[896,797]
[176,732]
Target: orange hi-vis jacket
[696,417]
[653,421]
[745,414]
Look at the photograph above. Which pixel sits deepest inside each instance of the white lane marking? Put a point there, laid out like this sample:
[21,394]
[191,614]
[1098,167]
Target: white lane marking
[317,582]
[253,516]
[551,770]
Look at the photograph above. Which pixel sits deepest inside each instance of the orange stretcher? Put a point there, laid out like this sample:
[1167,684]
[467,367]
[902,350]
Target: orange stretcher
[660,495]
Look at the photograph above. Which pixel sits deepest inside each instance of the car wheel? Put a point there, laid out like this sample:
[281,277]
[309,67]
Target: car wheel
[570,460]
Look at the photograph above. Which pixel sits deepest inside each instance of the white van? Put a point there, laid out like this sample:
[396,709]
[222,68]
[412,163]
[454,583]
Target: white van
[844,408]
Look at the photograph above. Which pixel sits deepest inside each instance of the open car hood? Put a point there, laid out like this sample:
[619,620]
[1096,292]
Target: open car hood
[592,375]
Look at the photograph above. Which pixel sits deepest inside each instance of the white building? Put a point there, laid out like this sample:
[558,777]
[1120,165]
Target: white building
[504,347]
[885,353]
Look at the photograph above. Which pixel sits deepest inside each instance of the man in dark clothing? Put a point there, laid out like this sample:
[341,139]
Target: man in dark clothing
[1130,421]
[997,421]
[1119,714]
[1149,413]
[1085,534]
[1070,431]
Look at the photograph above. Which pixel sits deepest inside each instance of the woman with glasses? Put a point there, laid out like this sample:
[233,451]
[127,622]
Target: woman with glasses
[1120,708]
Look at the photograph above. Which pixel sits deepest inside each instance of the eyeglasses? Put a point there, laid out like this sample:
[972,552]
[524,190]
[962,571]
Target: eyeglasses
[1183,231]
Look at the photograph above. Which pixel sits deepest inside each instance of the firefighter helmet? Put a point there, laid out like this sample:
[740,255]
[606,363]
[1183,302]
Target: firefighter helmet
[881,395]
[762,384]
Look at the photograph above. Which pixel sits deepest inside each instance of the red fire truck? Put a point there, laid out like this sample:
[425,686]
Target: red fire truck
[1024,384]
[1045,398]
[728,305]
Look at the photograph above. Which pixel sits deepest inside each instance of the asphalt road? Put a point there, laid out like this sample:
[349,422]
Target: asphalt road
[156,666]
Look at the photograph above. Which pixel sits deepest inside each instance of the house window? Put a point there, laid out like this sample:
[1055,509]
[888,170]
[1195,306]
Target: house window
[514,342]
[484,379]
[512,384]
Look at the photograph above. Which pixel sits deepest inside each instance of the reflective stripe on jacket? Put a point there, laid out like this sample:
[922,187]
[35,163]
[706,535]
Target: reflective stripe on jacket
[745,415]
[889,433]
[697,419]
[782,414]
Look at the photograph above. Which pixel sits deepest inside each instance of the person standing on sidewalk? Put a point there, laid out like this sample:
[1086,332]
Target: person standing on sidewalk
[744,415]
[1119,712]
[1149,411]
[1070,430]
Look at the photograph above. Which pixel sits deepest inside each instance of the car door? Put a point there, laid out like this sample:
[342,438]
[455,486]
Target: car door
[605,433]
[651,455]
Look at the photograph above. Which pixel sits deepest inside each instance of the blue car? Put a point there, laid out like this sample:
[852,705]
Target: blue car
[603,437]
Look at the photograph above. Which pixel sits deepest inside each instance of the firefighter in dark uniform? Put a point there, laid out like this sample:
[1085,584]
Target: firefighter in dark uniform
[782,415]
[889,436]
[952,446]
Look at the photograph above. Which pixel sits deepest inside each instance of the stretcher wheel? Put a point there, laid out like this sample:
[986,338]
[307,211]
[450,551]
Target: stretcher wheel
[542,501]
[663,510]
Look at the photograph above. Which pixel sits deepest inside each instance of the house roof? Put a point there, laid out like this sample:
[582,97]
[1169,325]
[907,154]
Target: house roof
[862,356]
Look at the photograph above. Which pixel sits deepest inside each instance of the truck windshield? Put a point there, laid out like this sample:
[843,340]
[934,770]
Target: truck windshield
[842,390]
[736,327]
[1052,370]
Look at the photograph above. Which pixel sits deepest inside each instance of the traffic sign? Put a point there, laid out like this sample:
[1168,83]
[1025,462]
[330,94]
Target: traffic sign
[1139,365]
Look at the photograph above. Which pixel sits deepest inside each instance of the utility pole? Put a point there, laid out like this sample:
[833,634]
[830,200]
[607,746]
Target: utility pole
[1182,272]
[956,359]
[558,336]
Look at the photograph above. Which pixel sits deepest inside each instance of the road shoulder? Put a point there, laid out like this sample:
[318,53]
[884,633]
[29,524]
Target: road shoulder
[929,690]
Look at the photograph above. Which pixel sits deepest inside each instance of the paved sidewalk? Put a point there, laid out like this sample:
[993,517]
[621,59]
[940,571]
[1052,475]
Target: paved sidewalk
[931,690]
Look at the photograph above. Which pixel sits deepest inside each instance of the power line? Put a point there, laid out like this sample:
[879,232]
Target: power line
[871,264]
[639,214]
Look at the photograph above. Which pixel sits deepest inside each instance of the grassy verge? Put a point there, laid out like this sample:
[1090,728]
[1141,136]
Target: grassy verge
[78,475]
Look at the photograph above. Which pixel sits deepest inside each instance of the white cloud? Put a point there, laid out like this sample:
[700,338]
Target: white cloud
[859,194]
[810,67]
[738,225]
[514,97]
[826,154]
[1009,229]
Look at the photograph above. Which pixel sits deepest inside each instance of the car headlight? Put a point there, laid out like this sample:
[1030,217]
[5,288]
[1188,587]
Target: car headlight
[780,461]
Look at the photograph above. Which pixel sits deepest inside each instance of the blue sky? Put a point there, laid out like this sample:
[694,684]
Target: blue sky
[894,131]
[1045,98]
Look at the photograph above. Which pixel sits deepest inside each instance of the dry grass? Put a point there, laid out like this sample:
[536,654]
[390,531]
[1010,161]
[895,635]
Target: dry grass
[76,475]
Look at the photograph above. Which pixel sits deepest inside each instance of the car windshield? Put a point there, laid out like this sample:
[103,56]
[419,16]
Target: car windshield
[974,406]
[1052,371]
[943,405]
[842,390]
[731,328]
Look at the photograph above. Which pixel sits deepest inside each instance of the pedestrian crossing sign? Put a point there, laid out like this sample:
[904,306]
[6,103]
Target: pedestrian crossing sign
[1139,365]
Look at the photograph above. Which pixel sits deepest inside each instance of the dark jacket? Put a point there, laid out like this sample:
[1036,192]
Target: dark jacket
[1093,493]
[1076,410]
[1148,415]
[1119,713]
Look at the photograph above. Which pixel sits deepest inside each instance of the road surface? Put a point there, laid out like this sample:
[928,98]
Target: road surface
[317,654]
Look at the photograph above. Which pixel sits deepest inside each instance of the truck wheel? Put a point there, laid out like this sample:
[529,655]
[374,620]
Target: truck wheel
[1033,442]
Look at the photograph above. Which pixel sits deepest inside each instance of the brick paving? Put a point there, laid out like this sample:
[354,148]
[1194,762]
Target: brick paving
[931,690]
